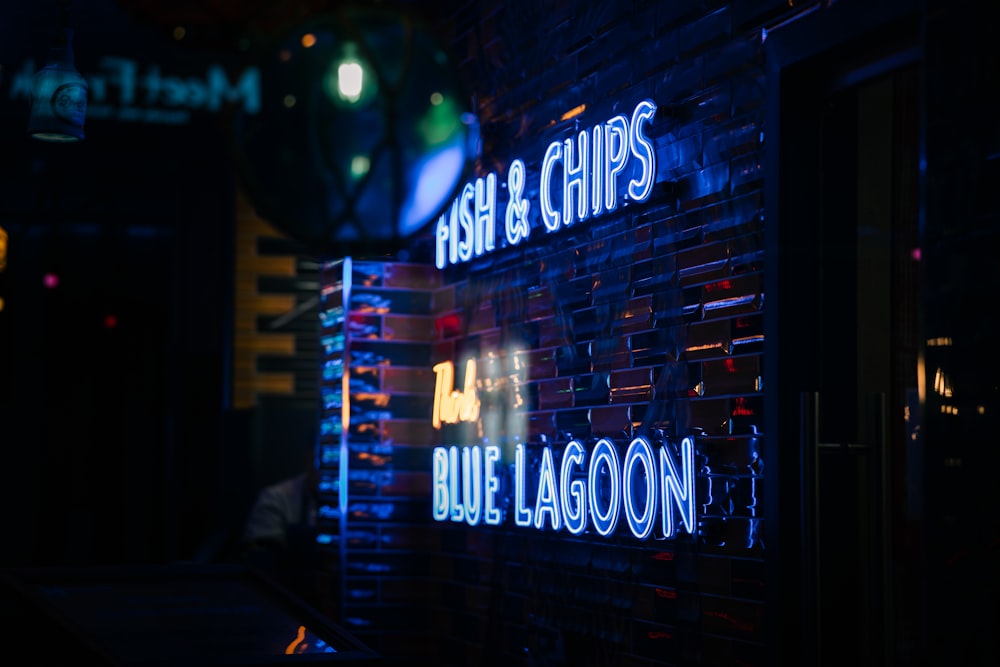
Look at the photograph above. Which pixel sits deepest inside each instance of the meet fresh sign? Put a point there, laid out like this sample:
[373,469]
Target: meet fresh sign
[126,90]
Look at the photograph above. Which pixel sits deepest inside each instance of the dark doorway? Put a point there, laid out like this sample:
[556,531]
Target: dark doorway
[846,334]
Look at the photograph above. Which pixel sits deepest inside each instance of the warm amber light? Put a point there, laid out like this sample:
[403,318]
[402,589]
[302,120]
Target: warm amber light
[574,112]
[940,341]
[292,648]
[308,40]
[3,248]
[179,32]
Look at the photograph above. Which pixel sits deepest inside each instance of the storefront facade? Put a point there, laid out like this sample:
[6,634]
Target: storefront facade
[568,430]
[697,368]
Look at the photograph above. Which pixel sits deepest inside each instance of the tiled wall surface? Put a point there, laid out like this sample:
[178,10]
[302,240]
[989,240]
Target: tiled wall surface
[377,335]
[275,314]
[647,320]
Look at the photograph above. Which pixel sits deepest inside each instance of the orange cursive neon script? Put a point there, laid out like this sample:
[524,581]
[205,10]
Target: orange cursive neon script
[451,405]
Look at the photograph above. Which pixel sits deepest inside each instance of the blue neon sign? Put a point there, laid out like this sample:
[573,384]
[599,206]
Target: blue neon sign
[570,492]
[581,177]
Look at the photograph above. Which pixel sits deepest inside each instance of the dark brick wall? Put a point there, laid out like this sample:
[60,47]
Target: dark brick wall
[649,319]
[376,325]
[646,320]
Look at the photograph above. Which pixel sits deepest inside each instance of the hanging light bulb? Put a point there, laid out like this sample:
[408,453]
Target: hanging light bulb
[349,81]
[58,92]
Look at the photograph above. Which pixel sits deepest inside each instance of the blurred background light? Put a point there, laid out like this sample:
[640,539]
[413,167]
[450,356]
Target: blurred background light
[376,141]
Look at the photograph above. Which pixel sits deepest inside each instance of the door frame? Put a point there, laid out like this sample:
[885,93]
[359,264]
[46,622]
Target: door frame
[864,40]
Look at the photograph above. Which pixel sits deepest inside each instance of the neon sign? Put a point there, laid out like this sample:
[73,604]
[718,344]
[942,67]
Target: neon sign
[123,90]
[451,405]
[580,178]
[650,486]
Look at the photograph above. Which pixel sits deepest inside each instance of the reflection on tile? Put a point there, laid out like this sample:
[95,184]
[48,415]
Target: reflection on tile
[590,390]
[747,334]
[733,139]
[414,327]
[631,386]
[413,484]
[537,364]
[706,262]
[406,432]
[637,315]
[680,155]
[609,353]
[541,424]
[333,343]
[708,339]
[729,534]
[398,380]
[363,379]
[706,184]
[572,360]
[443,300]
[653,347]
[387,563]
[672,235]
[747,171]
[729,306]
[747,415]
[734,286]
[573,294]
[611,421]
[656,642]
[366,274]
[369,302]
[382,405]
[732,375]
[362,482]
[731,455]
[589,323]
[674,307]
[410,276]
[377,352]
[675,380]
[712,415]
[741,262]
[733,618]
[733,218]
[653,275]
[575,422]
[482,317]
[539,302]
[611,285]
[398,302]
[362,326]
[419,537]
[554,331]
[554,394]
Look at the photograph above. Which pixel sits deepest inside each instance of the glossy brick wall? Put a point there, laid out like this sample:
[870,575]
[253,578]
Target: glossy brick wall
[374,537]
[649,319]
